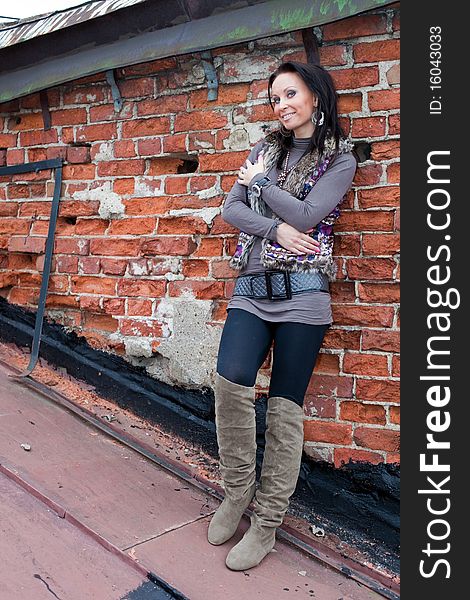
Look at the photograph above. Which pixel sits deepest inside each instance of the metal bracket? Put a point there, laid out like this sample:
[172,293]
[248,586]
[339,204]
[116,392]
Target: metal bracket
[114,90]
[55,164]
[311,46]
[211,75]
[46,115]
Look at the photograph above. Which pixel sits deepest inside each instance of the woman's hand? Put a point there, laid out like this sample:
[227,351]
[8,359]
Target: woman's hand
[248,170]
[296,241]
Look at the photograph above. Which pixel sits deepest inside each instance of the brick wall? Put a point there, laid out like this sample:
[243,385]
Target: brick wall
[139,225]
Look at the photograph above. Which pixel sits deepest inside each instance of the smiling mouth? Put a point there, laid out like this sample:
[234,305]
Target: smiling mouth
[287,117]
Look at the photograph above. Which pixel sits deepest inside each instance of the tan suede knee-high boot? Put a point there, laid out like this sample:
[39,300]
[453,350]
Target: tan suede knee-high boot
[279,474]
[236,438]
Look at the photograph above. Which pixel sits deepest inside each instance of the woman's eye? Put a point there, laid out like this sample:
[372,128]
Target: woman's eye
[290,93]
[276,100]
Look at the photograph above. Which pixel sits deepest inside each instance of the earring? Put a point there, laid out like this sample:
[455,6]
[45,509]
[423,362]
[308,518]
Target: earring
[318,121]
[284,131]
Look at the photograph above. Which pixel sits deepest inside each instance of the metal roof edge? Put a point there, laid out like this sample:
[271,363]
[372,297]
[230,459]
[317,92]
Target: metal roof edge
[241,25]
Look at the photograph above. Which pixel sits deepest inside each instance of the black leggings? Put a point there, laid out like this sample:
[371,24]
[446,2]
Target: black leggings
[245,343]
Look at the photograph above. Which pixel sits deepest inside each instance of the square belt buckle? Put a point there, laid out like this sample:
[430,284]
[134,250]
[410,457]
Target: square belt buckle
[269,287]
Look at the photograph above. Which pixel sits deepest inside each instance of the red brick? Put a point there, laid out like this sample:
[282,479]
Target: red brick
[149,68]
[385,150]
[149,147]
[163,105]
[114,306]
[67,264]
[221,269]
[190,225]
[124,149]
[368,127]
[348,103]
[38,138]
[379,197]
[79,172]
[359,77]
[342,291]
[323,408]
[145,127]
[228,94]
[387,293]
[202,290]
[378,390]
[124,187]
[370,268]
[195,268]
[93,285]
[115,247]
[345,455]
[367,175]
[15,156]
[377,439]
[78,208]
[353,27]
[328,432]
[333,56]
[364,316]
[201,141]
[384,99]
[327,364]
[224,161]
[84,95]
[25,121]
[166,165]
[72,116]
[78,154]
[395,415]
[135,327]
[113,266]
[133,226]
[146,288]
[8,280]
[89,265]
[106,112]
[100,322]
[352,221]
[380,243]
[61,301]
[347,245]
[18,191]
[139,307]
[121,168]
[366,364]
[8,209]
[386,341]
[381,50]
[168,246]
[362,413]
[200,120]
[30,244]
[396,366]
[330,385]
[393,173]
[393,124]
[219,226]
[24,297]
[8,140]
[340,339]
[174,143]
[93,133]
[137,88]
[209,247]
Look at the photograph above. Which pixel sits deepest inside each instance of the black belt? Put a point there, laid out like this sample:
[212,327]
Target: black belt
[279,285]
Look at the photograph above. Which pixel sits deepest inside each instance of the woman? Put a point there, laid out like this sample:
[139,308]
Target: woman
[285,203]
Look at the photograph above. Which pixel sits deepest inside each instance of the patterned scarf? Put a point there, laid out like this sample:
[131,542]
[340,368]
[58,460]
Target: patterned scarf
[299,182]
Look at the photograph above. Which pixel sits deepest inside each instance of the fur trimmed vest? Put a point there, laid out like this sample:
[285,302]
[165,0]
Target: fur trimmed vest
[299,182]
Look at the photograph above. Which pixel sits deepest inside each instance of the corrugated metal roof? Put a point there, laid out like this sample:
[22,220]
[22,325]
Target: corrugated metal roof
[32,27]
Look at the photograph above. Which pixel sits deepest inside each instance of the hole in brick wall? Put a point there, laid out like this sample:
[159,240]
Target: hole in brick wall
[174,164]
[70,220]
[362,151]
[80,144]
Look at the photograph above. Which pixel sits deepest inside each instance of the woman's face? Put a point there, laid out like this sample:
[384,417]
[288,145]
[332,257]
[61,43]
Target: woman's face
[294,103]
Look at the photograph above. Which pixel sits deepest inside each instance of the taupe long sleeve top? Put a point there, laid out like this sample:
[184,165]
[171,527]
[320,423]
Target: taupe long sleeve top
[313,308]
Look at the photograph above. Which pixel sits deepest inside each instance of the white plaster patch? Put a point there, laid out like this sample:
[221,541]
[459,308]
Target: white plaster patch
[238,138]
[208,193]
[138,347]
[110,207]
[207,214]
[105,152]
[189,356]
[148,187]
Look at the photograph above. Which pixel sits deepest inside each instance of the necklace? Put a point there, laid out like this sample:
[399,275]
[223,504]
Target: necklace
[284,172]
